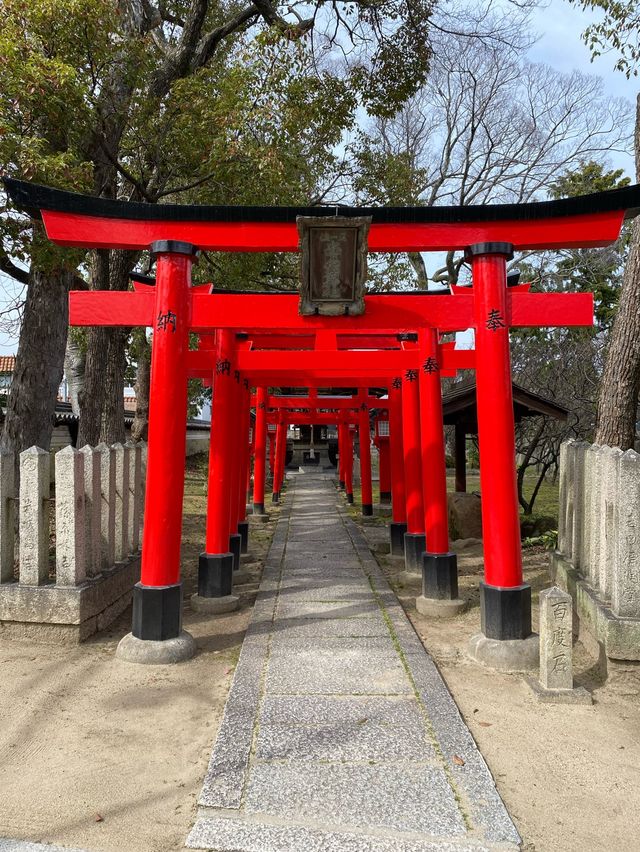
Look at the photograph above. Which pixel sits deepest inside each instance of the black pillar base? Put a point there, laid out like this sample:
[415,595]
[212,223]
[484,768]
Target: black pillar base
[243,531]
[275,497]
[341,484]
[215,575]
[385,498]
[505,613]
[397,530]
[157,612]
[440,576]
[235,546]
[258,509]
[367,510]
[349,498]
[414,546]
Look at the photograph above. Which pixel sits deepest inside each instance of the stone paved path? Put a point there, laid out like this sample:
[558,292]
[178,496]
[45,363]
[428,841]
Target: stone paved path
[339,733]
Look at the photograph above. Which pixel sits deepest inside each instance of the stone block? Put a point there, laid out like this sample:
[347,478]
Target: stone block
[34,516]
[70,518]
[107,506]
[465,515]
[7,516]
[562,498]
[413,798]
[556,639]
[569,499]
[608,519]
[577,526]
[92,500]
[591,537]
[130,493]
[121,502]
[625,586]
[137,484]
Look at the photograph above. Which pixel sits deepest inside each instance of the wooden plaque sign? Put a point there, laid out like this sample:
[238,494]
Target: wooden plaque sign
[333,265]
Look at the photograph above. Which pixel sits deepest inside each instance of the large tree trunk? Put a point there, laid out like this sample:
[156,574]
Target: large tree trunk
[102,398]
[618,399]
[74,358]
[143,381]
[39,362]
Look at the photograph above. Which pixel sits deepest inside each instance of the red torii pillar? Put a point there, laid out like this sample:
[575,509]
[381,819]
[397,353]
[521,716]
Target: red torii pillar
[414,538]
[215,567]
[260,453]
[157,598]
[505,600]
[439,564]
[384,462]
[235,449]
[341,454]
[364,434]
[398,525]
[278,467]
[245,459]
[348,464]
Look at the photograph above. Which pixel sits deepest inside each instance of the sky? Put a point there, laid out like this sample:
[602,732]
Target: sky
[558,45]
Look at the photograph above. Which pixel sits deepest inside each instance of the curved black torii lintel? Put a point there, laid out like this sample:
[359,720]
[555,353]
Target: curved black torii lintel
[86,221]
[32,197]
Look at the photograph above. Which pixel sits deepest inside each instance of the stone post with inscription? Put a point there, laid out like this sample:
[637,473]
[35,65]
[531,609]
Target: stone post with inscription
[7,516]
[92,498]
[556,651]
[625,592]
[608,519]
[34,516]
[577,526]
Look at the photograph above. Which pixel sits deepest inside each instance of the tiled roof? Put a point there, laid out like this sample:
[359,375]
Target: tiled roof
[7,363]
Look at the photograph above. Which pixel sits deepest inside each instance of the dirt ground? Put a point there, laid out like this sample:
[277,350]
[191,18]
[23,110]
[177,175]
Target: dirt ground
[105,755]
[568,774]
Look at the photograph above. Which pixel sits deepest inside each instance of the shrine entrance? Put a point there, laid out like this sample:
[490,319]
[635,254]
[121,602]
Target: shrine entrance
[391,341]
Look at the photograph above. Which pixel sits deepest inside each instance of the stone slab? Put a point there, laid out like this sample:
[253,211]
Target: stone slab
[415,798]
[343,742]
[303,710]
[320,609]
[337,670]
[244,836]
[8,845]
[618,638]
[577,695]
[339,733]
[296,628]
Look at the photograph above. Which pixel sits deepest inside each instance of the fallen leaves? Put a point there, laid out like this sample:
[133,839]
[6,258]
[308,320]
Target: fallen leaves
[458,760]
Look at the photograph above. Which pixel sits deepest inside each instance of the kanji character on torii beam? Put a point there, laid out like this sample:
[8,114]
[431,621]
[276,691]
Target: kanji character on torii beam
[488,234]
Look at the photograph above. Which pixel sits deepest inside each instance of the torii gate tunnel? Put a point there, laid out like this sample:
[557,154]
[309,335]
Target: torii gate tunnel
[261,340]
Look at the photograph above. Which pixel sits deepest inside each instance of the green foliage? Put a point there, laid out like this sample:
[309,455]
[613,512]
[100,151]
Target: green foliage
[617,30]
[597,271]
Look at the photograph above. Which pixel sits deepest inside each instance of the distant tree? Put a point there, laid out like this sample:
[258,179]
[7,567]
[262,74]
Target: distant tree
[488,127]
[152,101]
[618,31]
[565,364]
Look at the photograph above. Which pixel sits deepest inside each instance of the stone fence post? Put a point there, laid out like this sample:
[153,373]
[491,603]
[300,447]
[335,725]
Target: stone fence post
[607,518]
[625,585]
[564,523]
[577,524]
[92,499]
[70,517]
[7,516]
[107,506]
[137,491]
[122,502]
[34,516]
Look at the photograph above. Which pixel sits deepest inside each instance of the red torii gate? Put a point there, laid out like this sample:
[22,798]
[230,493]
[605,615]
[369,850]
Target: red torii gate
[488,235]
